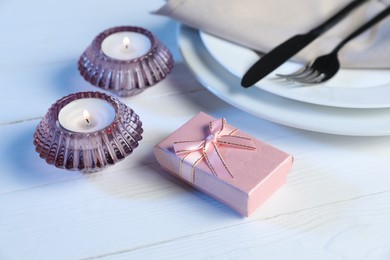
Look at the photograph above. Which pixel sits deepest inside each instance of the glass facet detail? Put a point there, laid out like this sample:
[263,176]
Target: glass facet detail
[125,77]
[88,152]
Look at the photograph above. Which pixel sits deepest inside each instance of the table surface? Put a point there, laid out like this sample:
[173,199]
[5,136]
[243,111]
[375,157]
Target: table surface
[335,204]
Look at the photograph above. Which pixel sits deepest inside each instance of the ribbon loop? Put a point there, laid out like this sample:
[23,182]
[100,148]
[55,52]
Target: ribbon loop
[219,135]
[211,138]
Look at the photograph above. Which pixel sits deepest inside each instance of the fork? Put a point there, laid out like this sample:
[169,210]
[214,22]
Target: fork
[325,67]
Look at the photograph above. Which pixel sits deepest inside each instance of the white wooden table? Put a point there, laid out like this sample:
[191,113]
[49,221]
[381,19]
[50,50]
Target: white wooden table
[335,205]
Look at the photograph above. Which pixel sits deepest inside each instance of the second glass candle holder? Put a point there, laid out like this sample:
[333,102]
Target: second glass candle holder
[125,60]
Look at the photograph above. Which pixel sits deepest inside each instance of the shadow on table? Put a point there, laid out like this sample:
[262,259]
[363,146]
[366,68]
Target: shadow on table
[153,190]
[196,199]
[26,167]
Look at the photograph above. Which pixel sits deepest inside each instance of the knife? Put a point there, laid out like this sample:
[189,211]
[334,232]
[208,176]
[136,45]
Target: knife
[290,47]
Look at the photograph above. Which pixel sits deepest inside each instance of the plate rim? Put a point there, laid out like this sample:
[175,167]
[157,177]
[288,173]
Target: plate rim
[328,95]
[357,118]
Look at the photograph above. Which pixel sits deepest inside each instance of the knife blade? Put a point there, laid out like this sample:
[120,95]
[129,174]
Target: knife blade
[290,47]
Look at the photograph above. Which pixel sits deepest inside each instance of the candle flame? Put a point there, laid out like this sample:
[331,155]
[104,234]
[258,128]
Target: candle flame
[126,42]
[86,116]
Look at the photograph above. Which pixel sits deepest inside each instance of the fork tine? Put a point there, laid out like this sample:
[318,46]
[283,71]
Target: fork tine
[309,79]
[303,73]
[296,73]
[320,78]
[309,71]
[315,78]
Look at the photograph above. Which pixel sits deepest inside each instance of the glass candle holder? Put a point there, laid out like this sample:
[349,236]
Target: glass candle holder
[72,140]
[125,60]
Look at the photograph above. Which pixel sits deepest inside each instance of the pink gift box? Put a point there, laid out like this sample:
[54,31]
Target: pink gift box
[225,163]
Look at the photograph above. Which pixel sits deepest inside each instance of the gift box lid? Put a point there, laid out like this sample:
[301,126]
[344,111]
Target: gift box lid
[256,174]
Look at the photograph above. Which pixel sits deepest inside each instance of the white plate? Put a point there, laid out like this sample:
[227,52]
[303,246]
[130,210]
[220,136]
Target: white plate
[350,88]
[343,121]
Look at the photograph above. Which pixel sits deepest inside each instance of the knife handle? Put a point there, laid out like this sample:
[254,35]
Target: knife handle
[290,47]
[336,18]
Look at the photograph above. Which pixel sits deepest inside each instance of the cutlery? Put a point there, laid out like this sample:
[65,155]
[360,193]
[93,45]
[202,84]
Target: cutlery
[325,67]
[289,48]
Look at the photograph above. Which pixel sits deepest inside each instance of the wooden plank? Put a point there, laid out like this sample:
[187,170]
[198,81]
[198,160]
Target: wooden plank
[47,32]
[35,89]
[352,229]
[146,213]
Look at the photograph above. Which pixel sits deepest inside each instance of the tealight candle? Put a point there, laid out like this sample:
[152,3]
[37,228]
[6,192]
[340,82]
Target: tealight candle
[87,131]
[125,60]
[126,45]
[86,115]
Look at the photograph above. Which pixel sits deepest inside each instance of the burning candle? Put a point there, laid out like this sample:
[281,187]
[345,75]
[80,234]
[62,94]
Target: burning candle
[125,60]
[126,45]
[86,115]
[68,136]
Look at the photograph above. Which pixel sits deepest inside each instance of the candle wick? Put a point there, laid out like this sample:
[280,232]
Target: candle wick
[87,121]
[126,42]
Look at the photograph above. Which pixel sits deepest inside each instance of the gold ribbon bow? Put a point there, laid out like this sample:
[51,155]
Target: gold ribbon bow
[220,134]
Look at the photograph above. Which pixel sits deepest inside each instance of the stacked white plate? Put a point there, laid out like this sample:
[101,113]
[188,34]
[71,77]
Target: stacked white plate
[354,102]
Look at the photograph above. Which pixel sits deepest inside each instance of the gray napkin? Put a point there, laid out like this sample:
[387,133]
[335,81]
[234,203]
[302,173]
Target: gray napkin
[263,24]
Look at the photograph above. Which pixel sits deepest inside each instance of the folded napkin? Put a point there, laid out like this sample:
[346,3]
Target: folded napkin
[262,25]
